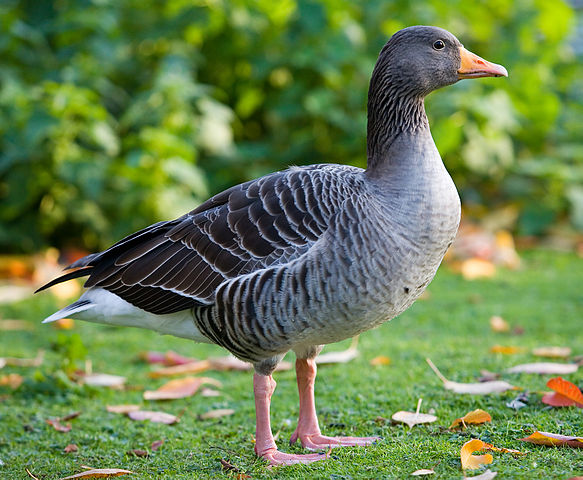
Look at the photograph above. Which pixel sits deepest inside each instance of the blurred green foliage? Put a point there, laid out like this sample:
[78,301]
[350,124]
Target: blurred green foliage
[115,114]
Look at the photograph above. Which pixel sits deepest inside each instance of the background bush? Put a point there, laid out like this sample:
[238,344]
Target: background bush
[115,114]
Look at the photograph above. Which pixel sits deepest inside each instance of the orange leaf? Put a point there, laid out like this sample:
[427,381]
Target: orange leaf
[489,446]
[506,350]
[476,417]
[58,426]
[192,367]
[71,448]
[566,388]
[12,380]
[99,473]
[380,360]
[471,462]
[179,388]
[553,440]
[64,324]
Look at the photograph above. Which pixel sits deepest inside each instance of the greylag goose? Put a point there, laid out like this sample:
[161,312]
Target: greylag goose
[303,257]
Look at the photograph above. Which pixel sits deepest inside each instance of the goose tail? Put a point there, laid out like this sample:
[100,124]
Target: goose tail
[76,307]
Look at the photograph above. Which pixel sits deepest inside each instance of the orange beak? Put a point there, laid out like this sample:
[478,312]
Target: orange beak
[475,67]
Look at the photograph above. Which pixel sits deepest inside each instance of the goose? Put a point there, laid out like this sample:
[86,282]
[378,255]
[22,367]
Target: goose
[303,257]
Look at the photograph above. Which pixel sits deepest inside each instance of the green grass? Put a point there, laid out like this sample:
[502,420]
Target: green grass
[545,298]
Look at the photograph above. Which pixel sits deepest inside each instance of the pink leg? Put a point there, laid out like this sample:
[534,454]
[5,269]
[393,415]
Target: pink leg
[308,430]
[263,387]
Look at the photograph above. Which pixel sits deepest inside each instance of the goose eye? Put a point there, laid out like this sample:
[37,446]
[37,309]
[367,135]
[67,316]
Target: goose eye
[438,45]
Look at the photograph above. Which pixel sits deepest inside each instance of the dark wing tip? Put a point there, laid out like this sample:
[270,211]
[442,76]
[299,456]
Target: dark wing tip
[68,276]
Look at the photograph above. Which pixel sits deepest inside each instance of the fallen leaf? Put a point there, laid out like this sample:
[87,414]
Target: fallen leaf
[209,392]
[380,360]
[498,324]
[58,426]
[506,349]
[414,418]
[71,448]
[344,356]
[487,376]
[15,325]
[103,380]
[518,402]
[482,388]
[23,362]
[423,471]
[64,324]
[186,368]
[136,452]
[99,473]
[70,416]
[228,467]
[475,417]
[489,446]
[544,368]
[229,362]
[552,352]
[487,475]
[553,440]
[169,358]
[153,416]
[12,380]
[125,409]
[474,268]
[156,445]
[221,412]
[179,388]
[566,394]
[471,462]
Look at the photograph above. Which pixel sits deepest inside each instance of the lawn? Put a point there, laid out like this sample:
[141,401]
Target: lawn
[543,302]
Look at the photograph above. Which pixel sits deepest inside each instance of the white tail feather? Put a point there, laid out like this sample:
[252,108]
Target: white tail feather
[76,307]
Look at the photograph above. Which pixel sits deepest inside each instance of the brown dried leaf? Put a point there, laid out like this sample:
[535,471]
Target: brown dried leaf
[489,446]
[553,440]
[12,380]
[99,473]
[506,349]
[58,426]
[380,360]
[179,388]
[228,467]
[156,445]
[136,452]
[483,388]
[544,368]
[471,462]
[70,416]
[125,409]
[220,412]
[552,352]
[344,356]
[475,417]
[71,448]
[104,380]
[498,324]
[153,416]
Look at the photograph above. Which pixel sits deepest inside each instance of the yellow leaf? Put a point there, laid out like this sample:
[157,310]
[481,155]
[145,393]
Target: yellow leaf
[64,324]
[380,360]
[471,462]
[12,380]
[506,349]
[476,417]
